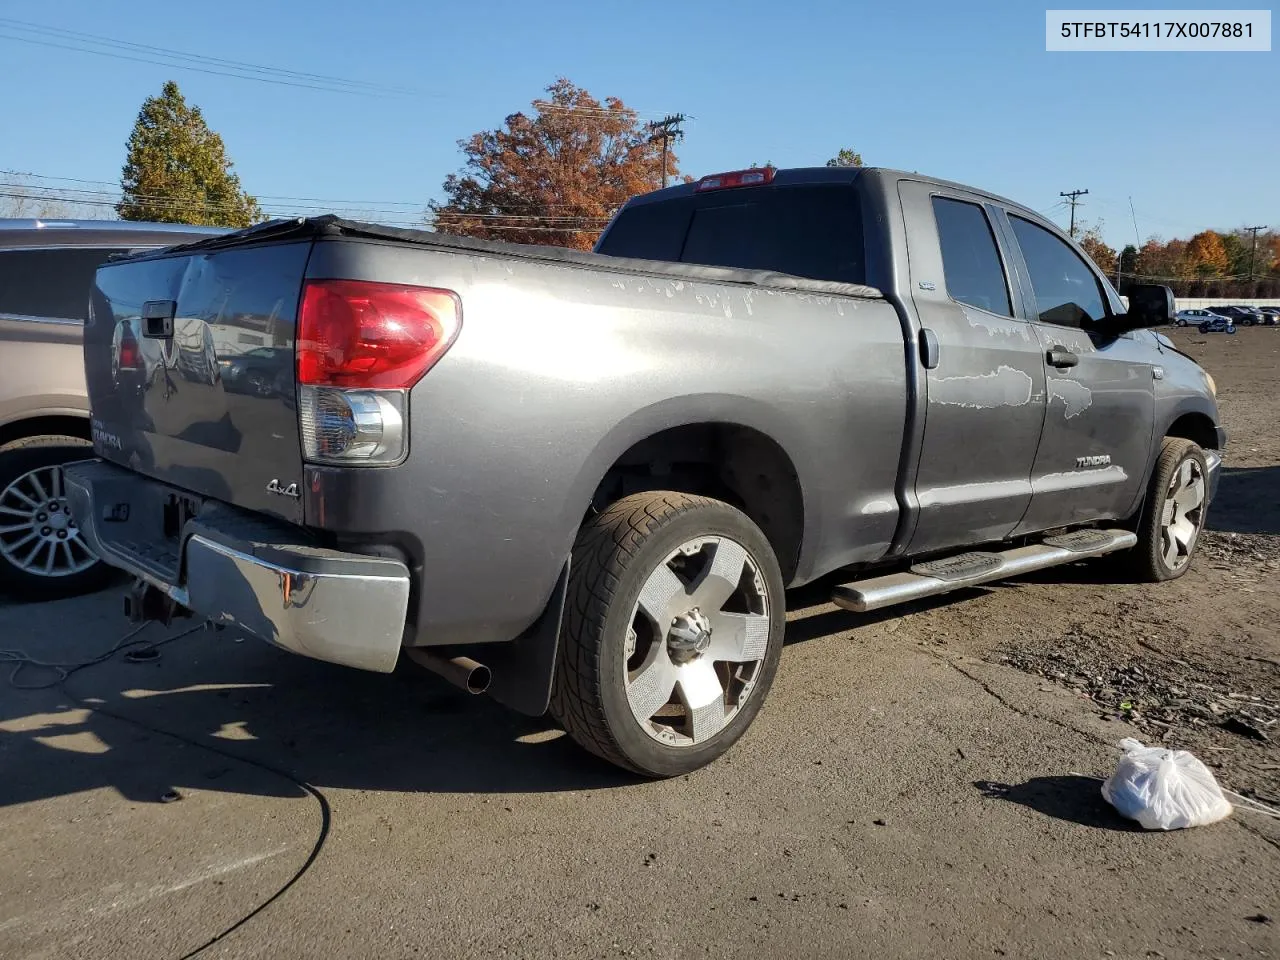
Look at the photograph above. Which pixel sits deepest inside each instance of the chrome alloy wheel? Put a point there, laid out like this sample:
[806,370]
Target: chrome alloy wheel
[1183,514]
[698,636]
[38,535]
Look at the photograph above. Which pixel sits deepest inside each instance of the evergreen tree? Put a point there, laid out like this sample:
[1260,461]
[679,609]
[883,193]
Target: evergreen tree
[177,169]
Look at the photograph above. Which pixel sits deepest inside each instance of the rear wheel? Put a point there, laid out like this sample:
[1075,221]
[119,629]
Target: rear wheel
[42,553]
[1173,514]
[672,632]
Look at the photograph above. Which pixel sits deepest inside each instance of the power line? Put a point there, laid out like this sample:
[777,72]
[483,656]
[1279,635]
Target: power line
[159,56]
[548,106]
[78,36]
[1074,198]
[71,195]
[541,224]
[115,185]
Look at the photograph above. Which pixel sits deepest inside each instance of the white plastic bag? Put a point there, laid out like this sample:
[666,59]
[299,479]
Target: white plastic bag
[1164,789]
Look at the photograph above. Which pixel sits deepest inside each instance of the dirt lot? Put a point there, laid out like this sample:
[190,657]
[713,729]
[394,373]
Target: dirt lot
[1194,663]
[917,786]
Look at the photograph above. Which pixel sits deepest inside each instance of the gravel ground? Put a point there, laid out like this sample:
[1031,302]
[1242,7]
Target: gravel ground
[1196,663]
[922,783]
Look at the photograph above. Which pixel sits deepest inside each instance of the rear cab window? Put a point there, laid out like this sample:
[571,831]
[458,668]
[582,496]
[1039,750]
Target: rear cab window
[806,230]
[50,283]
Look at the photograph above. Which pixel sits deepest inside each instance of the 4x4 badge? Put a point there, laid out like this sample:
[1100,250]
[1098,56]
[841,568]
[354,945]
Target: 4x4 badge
[290,491]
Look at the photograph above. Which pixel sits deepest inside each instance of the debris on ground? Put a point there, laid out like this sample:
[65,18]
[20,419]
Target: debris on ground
[1164,789]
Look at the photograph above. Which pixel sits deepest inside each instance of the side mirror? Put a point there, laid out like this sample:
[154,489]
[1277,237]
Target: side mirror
[1150,305]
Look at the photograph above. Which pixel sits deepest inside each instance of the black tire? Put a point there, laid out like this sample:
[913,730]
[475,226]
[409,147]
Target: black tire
[1203,328]
[16,460]
[1146,562]
[615,553]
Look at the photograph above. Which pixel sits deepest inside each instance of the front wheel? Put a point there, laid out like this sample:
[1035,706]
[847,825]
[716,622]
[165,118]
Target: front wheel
[672,632]
[1173,513]
[1231,329]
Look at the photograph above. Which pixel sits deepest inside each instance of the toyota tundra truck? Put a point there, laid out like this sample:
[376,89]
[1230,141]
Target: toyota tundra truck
[584,481]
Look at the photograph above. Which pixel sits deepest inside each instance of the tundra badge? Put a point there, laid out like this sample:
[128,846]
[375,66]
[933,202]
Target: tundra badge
[290,491]
[1098,461]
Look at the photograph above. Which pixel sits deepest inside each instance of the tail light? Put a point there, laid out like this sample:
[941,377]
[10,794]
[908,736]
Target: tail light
[361,347]
[755,177]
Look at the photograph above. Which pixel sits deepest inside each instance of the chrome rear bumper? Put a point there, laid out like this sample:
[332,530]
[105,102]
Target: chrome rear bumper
[326,604]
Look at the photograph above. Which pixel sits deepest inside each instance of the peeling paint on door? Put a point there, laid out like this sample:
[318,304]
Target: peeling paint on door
[1004,387]
[1075,396]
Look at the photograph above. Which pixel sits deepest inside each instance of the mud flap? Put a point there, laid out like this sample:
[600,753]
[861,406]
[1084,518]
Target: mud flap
[523,669]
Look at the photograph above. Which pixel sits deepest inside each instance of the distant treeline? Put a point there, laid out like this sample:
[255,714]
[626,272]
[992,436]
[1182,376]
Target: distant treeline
[1210,264]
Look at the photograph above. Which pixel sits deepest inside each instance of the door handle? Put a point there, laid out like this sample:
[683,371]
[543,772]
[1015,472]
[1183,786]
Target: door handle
[928,348]
[1061,357]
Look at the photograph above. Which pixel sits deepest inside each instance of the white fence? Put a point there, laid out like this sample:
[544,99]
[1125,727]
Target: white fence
[1200,303]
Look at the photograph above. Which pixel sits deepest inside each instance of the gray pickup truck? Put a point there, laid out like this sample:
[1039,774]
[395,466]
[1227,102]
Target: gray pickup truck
[583,481]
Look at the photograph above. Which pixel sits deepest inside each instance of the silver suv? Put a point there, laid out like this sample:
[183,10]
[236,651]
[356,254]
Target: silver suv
[46,276]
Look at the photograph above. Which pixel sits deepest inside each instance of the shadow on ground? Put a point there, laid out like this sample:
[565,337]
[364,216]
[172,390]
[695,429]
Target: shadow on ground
[1248,501]
[326,725]
[1075,799]
[189,720]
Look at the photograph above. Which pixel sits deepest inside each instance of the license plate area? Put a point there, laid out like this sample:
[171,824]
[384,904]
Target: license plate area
[144,522]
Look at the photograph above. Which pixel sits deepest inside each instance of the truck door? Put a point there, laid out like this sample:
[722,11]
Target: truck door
[1093,457]
[984,373]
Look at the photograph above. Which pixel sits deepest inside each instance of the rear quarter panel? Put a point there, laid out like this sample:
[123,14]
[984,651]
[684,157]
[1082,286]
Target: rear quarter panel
[559,369]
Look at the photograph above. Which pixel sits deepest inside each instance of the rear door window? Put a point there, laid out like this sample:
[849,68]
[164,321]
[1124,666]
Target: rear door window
[970,259]
[807,231]
[49,283]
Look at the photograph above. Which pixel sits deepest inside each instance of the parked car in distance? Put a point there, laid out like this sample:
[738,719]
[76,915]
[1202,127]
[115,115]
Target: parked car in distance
[1186,318]
[1250,316]
[1270,316]
[581,481]
[46,277]
[1218,325]
[1234,313]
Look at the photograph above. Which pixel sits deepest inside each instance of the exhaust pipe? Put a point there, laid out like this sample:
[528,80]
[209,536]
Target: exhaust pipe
[462,672]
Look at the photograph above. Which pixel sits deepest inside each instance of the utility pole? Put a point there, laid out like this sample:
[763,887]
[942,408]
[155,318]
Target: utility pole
[1073,198]
[1253,251]
[666,130]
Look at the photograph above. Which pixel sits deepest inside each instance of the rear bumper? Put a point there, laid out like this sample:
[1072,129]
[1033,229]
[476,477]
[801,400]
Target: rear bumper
[235,568]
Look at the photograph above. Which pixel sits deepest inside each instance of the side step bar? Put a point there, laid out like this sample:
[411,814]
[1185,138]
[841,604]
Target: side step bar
[969,569]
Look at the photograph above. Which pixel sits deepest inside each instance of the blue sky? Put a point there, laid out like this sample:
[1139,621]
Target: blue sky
[953,90]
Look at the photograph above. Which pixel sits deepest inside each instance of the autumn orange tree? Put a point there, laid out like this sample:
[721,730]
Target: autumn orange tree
[1099,252]
[1207,255]
[554,175]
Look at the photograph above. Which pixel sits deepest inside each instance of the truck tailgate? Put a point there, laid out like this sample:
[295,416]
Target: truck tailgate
[189,361]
